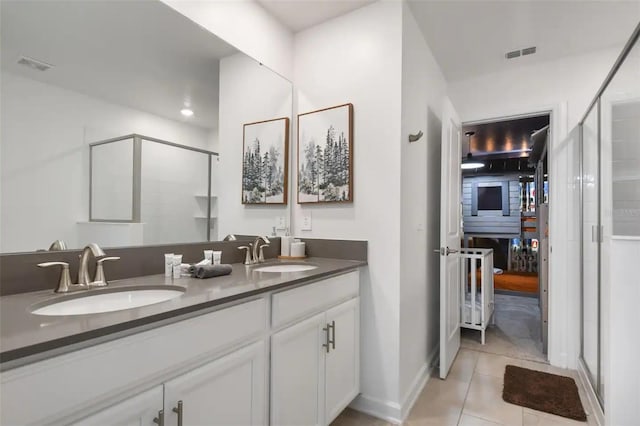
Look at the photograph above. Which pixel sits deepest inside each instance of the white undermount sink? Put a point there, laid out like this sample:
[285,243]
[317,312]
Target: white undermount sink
[287,267]
[95,302]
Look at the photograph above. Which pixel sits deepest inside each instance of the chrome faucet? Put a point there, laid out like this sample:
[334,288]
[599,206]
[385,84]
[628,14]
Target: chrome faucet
[255,253]
[259,258]
[83,269]
[64,283]
[58,245]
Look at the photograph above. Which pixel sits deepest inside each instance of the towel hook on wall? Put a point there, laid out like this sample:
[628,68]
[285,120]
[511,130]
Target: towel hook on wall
[416,137]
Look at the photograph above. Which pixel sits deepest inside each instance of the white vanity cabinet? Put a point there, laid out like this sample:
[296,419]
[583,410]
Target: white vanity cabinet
[139,410]
[297,373]
[342,362]
[100,381]
[315,362]
[225,392]
[216,368]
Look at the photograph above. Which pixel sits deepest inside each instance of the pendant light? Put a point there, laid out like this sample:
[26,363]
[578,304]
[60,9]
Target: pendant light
[469,162]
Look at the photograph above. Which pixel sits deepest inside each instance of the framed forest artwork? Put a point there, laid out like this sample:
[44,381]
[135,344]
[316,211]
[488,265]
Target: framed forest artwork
[325,155]
[265,159]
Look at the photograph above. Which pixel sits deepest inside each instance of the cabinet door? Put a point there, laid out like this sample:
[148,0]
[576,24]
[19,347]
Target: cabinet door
[139,410]
[227,391]
[342,362]
[297,374]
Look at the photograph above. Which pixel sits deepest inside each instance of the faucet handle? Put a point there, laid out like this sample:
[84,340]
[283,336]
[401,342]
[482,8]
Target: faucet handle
[64,283]
[261,257]
[100,280]
[247,257]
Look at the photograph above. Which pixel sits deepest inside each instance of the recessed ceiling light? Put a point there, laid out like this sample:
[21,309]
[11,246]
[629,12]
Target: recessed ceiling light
[472,165]
[187,112]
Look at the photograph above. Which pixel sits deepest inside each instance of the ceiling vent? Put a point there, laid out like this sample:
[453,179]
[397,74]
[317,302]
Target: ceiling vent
[512,54]
[34,63]
[517,53]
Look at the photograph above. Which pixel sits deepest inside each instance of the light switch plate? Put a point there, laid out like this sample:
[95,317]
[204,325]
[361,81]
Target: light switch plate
[281,223]
[306,222]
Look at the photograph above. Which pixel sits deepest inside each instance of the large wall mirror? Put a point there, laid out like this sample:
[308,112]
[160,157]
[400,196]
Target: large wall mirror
[98,143]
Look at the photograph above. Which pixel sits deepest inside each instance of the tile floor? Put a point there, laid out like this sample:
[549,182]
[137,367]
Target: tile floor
[472,393]
[472,396]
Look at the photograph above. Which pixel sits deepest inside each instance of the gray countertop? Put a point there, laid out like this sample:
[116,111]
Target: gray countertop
[23,334]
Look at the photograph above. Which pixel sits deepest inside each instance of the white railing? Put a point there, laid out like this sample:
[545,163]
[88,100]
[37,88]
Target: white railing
[476,295]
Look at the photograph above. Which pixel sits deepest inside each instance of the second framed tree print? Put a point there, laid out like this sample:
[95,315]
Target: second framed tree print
[265,162]
[325,155]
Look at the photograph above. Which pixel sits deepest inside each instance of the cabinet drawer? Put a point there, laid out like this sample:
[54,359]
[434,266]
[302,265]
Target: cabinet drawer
[290,305]
[70,384]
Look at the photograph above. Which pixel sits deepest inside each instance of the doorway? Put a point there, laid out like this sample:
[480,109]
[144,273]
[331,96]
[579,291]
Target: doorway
[505,204]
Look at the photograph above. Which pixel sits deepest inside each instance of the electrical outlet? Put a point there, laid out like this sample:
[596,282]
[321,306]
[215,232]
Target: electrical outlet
[281,223]
[306,222]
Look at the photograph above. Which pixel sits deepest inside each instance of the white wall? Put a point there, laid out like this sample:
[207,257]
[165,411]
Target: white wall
[45,157]
[245,25]
[423,92]
[173,206]
[112,180]
[565,238]
[356,58]
[248,93]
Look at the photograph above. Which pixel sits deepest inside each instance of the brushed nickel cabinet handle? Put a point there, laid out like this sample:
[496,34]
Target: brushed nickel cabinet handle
[327,340]
[333,334]
[160,419]
[179,410]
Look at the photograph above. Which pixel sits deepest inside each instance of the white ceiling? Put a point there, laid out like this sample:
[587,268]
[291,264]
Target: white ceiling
[141,54]
[298,15]
[470,38]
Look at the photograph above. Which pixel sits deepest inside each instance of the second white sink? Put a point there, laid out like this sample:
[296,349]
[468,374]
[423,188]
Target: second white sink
[109,301]
[288,267]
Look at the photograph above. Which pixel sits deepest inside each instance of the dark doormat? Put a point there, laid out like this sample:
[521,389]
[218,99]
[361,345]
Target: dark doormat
[543,392]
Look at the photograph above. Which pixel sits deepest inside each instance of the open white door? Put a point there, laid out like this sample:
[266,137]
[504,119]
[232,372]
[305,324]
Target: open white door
[450,236]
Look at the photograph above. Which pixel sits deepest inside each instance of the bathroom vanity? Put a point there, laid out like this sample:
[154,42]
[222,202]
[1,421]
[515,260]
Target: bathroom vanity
[250,348]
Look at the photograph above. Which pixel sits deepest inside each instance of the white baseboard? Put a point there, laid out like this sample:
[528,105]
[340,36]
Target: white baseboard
[392,411]
[386,410]
[419,382]
[594,405]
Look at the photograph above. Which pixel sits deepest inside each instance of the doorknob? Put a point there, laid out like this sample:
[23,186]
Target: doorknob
[449,251]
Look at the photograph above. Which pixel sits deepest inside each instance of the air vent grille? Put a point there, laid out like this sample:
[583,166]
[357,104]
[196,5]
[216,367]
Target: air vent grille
[512,54]
[34,63]
[517,53]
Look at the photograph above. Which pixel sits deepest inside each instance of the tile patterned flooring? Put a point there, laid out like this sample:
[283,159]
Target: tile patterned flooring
[472,396]
[472,393]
